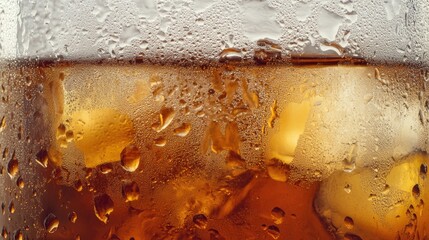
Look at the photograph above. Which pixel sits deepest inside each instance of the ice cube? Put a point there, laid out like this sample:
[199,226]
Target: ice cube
[384,205]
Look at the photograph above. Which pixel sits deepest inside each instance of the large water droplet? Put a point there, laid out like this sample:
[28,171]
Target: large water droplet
[200,221]
[103,207]
[231,55]
[51,223]
[12,167]
[130,158]
[166,116]
[130,191]
[277,214]
[273,231]
[72,217]
[348,222]
[182,130]
[42,158]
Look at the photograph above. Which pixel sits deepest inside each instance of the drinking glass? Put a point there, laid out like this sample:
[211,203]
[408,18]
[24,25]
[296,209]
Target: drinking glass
[220,119]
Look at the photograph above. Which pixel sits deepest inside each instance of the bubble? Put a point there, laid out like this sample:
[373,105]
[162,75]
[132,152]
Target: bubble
[103,207]
[72,217]
[200,221]
[273,231]
[130,191]
[277,214]
[51,223]
[348,222]
[130,158]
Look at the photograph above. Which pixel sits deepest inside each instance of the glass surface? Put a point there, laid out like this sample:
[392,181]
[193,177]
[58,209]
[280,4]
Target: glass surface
[197,119]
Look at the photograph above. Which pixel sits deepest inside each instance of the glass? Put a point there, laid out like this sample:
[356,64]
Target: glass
[221,119]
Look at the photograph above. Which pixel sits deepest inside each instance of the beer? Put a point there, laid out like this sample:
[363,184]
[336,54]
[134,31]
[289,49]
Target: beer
[222,151]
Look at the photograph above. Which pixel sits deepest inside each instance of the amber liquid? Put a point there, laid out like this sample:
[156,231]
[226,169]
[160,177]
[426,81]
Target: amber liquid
[136,151]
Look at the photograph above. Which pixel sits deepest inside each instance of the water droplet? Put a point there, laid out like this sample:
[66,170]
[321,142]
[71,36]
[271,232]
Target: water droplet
[423,170]
[18,235]
[277,214]
[4,232]
[231,55]
[3,124]
[20,182]
[130,158]
[377,74]
[200,221]
[348,222]
[12,167]
[273,114]
[273,231]
[160,141]
[51,223]
[166,116]
[328,24]
[130,191]
[69,136]
[103,207]
[78,185]
[416,191]
[42,158]
[144,44]
[349,163]
[11,207]
[269,50]
[61,130]
[350,236]
[348,188]
[199,21]
[72,217]
[106,168]
[182,130]
[277,170]
[77,237]
[234,160]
